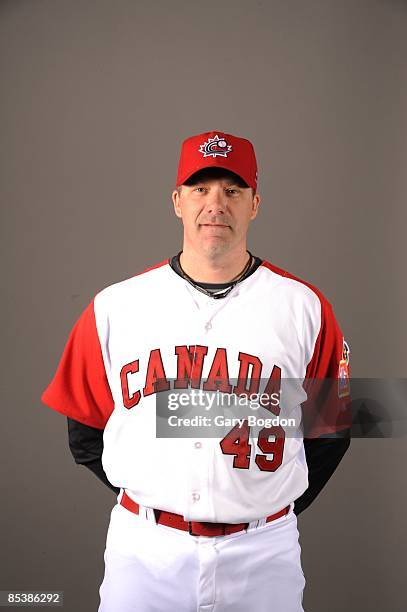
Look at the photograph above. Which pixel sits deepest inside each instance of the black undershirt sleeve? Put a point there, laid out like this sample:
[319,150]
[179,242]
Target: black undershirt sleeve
[86,445]
[323,457]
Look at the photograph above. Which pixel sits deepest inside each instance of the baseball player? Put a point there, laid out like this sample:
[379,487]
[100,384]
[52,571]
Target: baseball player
[206,522]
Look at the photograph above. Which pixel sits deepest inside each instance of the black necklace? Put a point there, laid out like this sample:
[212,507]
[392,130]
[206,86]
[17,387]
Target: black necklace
[222,292]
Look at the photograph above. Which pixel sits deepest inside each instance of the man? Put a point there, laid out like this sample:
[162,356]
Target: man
[206,522]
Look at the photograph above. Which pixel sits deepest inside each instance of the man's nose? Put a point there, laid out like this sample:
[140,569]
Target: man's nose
[216,202]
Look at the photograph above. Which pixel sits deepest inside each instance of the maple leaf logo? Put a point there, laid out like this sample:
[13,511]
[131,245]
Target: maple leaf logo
[215,146]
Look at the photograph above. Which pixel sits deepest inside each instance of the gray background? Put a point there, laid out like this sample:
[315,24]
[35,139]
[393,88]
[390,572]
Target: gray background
[96,98]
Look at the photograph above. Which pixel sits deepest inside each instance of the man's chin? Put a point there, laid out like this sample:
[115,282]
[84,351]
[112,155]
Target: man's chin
[215,247]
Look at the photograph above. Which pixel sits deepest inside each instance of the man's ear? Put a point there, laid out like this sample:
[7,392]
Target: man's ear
[255,206]
[176,202]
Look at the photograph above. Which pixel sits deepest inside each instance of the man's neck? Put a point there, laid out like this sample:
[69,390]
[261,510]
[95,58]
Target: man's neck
[213,270]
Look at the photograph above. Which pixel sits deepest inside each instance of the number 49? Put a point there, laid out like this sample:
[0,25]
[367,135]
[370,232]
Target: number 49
[236,443]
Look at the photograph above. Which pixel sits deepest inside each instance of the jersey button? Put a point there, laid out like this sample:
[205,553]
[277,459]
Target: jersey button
[196,497]
[198,444]
[208,326]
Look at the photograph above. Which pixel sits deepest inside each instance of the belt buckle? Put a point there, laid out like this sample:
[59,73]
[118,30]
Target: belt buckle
[209,534]
[190,529]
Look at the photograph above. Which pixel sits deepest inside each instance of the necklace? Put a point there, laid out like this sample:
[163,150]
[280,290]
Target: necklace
[222,292]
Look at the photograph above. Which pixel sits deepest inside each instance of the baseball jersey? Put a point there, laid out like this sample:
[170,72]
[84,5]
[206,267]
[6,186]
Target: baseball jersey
[154,331]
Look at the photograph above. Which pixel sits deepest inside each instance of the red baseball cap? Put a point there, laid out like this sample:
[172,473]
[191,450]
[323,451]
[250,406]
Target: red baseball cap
[220,150]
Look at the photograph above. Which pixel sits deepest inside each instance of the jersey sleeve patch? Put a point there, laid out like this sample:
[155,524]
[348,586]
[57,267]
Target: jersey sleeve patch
[343,372]
[80,387]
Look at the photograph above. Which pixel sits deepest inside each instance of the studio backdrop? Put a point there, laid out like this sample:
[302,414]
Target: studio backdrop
[96,98]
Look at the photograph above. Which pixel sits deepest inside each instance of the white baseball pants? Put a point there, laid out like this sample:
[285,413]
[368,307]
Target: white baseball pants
[155,568]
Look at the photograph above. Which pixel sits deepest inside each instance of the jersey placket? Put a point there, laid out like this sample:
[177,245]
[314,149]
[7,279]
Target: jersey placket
[198,485]
[208,307]
[202,451]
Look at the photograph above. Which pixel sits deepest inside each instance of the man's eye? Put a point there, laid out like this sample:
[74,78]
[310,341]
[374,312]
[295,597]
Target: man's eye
[198,188]
[232,190]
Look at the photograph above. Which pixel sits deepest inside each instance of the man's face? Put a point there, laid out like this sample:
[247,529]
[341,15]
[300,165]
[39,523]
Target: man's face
[216,214]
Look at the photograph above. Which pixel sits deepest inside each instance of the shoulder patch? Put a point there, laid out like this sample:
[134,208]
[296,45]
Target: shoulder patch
[343,372]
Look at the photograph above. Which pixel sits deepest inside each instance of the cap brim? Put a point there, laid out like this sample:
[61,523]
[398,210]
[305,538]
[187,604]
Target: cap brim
[220,165]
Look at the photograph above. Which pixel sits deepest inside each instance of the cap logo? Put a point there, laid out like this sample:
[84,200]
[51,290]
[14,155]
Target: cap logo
[215,146]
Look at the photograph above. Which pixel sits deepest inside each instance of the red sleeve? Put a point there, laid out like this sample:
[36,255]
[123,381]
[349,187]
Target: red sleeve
[80,388]
[327,380]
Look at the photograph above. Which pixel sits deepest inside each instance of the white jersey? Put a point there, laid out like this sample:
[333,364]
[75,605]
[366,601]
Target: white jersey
[156,327]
